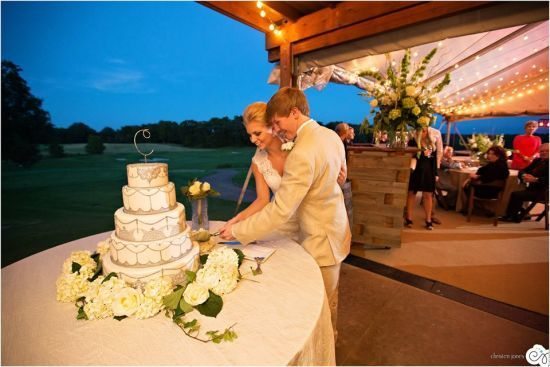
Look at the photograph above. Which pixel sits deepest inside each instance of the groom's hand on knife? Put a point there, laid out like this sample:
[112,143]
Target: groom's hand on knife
[225,232]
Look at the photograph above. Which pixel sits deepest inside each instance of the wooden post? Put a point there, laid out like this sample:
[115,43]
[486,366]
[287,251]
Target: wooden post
[286,64]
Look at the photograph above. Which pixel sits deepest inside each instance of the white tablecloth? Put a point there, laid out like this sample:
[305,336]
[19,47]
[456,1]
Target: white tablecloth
[283,319]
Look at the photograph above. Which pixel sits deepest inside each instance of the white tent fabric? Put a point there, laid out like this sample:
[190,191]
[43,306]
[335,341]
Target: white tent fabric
[501,72]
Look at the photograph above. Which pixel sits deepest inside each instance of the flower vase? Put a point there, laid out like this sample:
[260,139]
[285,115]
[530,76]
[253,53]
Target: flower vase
[199,208]
[399,141]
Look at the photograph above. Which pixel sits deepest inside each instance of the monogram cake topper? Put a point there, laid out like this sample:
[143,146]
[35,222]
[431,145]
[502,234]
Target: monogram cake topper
[146,134]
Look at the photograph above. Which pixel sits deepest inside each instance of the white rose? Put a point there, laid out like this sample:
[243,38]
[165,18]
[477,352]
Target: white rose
[195,294]
[410,90]
[374,103]
[205,186]
[126,301]
[195,189]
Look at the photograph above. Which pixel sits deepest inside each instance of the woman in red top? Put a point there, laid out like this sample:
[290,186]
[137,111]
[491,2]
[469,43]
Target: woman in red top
[526,146]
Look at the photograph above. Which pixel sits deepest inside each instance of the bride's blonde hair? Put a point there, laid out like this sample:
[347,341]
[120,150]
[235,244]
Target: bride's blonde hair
[255,112]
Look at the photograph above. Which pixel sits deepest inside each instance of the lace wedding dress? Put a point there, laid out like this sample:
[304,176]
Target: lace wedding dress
[273,180]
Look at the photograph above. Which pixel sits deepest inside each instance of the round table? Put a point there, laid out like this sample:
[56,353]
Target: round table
[282,318]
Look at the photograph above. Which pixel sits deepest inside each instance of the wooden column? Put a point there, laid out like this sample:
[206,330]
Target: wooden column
[286,65]
[379,182]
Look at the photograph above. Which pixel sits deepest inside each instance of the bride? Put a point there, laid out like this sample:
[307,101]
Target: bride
[267,166]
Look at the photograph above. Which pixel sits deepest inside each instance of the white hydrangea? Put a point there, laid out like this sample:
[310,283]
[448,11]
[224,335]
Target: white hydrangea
[223,255]
[158,288]
[103,248]
[148,307]
[71,286]
[209,276]
[410,90]
[83,258]
[96,309]
[228,281]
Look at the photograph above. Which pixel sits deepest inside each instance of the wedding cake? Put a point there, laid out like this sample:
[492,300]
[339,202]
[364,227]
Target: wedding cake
[151,238]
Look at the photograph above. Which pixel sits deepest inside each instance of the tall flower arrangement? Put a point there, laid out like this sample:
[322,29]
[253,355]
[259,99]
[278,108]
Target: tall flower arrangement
[401,101]
[478,145]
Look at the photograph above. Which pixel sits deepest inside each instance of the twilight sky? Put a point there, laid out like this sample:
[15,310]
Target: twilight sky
[122,63]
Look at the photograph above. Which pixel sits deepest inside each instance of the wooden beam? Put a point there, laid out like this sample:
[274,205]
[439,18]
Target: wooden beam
[331,18]
[245,12]
[286,65]
[284,9]
[405,17]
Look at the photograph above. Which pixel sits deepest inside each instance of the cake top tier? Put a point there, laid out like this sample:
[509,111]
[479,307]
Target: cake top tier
[147,174]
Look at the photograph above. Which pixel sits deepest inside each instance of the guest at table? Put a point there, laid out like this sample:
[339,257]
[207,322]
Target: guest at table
[445,182]
[424,175]
[496,169]
[525,146]
[535,177]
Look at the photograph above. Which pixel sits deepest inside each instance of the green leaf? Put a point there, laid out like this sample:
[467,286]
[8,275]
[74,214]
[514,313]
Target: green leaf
[240,254]
[75,267]
[191,276]
[119,318]
[212,306]
[109,276]
[96,256]
[190,324]
[172,300]
[81,314]
[184,306]
[203,259]
[97,272]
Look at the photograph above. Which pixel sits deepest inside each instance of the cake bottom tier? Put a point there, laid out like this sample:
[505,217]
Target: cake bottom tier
[175,269]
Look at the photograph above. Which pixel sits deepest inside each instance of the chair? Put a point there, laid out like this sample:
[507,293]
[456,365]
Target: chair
[540,215]
[440,198]
[497,184]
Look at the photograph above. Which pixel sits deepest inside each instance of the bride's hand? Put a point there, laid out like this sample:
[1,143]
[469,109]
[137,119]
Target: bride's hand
[225,232]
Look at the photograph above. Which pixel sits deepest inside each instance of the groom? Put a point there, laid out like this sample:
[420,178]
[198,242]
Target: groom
[309,188]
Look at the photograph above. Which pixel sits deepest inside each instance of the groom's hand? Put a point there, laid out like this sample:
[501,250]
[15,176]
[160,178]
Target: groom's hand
[225,232]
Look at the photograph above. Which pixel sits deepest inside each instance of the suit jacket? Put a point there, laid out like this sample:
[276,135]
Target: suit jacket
[539,169]
[308,188]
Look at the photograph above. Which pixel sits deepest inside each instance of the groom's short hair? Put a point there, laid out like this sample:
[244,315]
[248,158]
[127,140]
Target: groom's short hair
[282,102]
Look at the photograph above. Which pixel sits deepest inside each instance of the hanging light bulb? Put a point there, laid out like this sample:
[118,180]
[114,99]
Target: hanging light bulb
[277,32]
[262,13]
[272,27]
[259,4]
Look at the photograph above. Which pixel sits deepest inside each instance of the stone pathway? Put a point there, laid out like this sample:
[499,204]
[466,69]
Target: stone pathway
[221,181]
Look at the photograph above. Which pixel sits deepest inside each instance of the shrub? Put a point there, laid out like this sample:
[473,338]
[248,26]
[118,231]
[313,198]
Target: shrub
[95,145]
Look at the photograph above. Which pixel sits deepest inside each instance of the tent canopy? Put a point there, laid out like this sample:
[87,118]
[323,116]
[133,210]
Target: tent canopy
[495,52]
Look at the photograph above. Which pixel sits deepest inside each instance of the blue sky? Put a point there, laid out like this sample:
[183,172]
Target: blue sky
[122,63]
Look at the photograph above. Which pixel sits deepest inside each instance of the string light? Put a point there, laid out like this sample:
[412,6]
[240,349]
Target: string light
[273,27]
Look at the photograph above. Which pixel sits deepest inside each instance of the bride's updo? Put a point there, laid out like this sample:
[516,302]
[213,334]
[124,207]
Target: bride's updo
[255,112]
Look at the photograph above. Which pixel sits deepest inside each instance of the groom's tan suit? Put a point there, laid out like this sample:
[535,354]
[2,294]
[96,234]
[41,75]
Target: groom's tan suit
[309,188]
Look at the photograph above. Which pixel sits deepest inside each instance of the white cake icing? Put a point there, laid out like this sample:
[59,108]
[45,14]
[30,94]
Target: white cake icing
[175,269]
[151,238]
[139,254]
[146,200]
[147,174]
[150,227]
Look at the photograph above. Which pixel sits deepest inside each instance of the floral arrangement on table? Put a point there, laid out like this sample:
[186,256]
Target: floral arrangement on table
[478,145]
[401,101]
[196,190]
[97,296]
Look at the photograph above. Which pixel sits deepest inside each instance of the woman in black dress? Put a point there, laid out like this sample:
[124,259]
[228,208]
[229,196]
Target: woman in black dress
[424,175]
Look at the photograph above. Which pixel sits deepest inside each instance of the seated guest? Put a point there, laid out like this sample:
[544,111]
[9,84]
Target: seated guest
[535,177]
[525,146]
[445,182]
[496,169]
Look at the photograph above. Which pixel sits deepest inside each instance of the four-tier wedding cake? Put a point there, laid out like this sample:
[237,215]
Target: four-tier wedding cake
[151,238]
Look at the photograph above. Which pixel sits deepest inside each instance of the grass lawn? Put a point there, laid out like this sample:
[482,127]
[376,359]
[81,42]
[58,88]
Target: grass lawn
[60,200]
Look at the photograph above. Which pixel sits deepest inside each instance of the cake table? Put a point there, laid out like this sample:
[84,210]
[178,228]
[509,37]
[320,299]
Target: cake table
[282,318]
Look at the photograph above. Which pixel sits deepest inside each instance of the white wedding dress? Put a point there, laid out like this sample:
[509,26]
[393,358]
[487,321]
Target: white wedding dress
[273,179]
